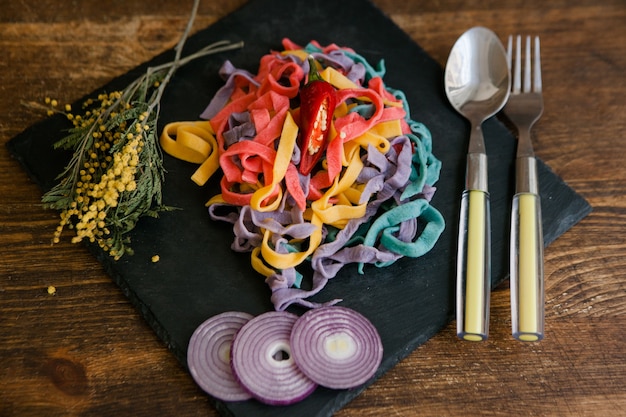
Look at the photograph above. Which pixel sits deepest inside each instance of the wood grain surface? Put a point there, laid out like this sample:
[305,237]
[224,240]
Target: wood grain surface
[85,350]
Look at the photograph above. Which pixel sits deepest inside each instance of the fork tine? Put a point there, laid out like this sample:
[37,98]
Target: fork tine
[517,70]
[527,66]
[527,79]
[537,75]
[531,79]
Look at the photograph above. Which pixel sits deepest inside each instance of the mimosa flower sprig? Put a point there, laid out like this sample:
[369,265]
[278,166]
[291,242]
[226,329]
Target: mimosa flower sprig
[116,172]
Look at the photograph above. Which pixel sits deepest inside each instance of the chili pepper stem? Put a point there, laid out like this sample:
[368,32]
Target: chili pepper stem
[314,74]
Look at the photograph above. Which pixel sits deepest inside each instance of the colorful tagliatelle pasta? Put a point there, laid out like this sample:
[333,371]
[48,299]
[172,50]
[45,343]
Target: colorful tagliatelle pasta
[311,174]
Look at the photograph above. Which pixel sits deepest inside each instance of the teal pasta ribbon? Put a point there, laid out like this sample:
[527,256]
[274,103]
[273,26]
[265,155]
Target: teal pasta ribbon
[387,225]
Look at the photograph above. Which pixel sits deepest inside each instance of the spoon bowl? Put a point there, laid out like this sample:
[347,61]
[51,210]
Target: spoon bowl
[477,77]
[477,84]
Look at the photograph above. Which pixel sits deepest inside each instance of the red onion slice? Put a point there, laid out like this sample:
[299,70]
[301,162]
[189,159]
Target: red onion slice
[336,347]
[262,362]
[208,356]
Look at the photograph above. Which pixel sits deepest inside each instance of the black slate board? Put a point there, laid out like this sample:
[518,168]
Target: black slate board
[199,276]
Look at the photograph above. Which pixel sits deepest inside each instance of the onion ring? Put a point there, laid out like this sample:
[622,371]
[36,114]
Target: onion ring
[336,347]
[208,356]
[262,362]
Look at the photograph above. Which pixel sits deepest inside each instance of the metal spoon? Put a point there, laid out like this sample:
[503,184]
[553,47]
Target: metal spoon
[477,83]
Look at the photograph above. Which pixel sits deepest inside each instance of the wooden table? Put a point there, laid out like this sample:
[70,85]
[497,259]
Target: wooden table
[86,351]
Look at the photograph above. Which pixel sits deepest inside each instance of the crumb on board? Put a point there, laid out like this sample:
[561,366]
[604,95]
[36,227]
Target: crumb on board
[52,290]
[156,258]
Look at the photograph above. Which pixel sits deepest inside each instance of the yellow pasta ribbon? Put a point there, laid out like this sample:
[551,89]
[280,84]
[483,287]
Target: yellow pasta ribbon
[286,144]
[339,214]
[216,199]
[192,142]
[379,134]
[292,259]
[337,79]
[258,264]
[300,53]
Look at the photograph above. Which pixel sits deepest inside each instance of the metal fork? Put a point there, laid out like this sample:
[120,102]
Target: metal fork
[524,107]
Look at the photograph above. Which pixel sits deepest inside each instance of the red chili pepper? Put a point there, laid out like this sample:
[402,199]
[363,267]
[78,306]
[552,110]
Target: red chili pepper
[317,104]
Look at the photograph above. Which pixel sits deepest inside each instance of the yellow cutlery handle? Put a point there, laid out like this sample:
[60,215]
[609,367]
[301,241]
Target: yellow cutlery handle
[527,281]
[474,267]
